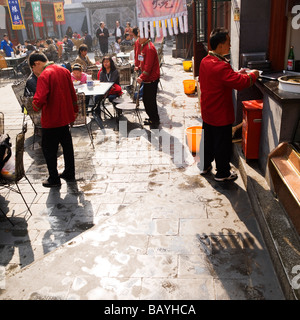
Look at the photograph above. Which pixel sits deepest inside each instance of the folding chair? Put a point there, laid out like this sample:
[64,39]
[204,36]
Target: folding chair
[34,116]
[19,170]
[82,117]
[18,89]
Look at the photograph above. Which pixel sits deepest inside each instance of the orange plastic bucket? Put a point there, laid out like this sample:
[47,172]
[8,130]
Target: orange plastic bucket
[193,135]
[189,86]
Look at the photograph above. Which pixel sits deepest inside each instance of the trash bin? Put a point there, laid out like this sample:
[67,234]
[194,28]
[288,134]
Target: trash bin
[252,117]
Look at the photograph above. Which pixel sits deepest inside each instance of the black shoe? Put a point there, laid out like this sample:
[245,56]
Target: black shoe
[49,183]
[233,176]
[66,177]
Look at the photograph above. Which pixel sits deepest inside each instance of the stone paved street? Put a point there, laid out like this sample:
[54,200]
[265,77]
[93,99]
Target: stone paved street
[139,223]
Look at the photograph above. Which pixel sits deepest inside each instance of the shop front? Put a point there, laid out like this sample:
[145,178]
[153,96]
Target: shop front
[31,32]
[262,33]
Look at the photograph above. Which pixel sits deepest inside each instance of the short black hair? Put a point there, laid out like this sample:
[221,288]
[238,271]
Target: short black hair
[82,47]
[135,31]
[217,36]
[36,56]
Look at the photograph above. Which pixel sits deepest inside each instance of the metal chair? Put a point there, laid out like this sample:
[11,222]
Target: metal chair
[82,117]
[18,89]
[129,102]
[19,171]
[34,116]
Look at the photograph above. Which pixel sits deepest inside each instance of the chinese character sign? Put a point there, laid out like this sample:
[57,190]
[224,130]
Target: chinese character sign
[165,15]
[16,17]
[37,14]
[59,12]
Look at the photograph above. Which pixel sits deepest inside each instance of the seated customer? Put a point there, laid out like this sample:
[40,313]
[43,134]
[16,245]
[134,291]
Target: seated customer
[127,41]
[51,51]
[116,46]
[78,75]
[68,44]
[83,58]
[109,73]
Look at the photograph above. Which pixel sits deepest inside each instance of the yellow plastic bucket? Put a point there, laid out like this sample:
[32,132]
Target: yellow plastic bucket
[189,86]
[187,65]
[193,135]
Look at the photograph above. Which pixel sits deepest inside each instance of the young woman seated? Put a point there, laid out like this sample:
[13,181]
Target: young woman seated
[109,73]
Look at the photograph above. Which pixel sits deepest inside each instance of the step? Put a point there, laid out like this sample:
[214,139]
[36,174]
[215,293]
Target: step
[284,166]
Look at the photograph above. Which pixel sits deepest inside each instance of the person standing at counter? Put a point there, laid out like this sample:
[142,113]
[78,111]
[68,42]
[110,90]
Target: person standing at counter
[6,46]
[217,79]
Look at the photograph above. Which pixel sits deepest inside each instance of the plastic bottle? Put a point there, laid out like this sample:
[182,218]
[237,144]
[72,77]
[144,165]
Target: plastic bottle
[89,82]
[291,58]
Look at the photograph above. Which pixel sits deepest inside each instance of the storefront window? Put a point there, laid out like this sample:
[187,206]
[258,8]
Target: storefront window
[201,13]
[221,13]
[30,31]
[111,19]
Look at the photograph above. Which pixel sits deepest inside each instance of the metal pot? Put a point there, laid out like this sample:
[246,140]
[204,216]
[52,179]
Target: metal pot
[289,83]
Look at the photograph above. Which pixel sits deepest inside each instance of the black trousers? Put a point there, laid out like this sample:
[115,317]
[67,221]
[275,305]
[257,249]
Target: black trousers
[149,100]
[51,138]
[218,147]
[103,47]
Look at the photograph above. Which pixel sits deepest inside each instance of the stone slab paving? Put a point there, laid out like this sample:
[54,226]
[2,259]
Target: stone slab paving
[139,223]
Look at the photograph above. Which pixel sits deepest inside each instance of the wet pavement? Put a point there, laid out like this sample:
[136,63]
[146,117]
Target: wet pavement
[140,223]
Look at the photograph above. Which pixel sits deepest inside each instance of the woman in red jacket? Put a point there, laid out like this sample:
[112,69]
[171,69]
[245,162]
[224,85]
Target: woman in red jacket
[217,79]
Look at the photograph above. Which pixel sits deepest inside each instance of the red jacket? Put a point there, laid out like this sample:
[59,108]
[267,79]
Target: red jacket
[56,96]
[217,79]
[137,51]
[149,63]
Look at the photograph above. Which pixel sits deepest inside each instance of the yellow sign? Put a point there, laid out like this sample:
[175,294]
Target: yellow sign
[59,11]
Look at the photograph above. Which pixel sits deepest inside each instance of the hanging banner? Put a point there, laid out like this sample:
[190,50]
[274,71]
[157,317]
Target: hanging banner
[37,14]
[59,13]
[169,13]
[16,17]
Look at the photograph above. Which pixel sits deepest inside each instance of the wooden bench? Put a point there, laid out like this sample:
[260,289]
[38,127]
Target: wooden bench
[284,167]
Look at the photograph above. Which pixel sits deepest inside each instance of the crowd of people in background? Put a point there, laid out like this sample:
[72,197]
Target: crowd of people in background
[49,46]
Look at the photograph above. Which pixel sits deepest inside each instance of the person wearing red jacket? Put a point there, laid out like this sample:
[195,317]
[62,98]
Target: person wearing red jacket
[137,47]
[217,80]
[150,74]
[56,97]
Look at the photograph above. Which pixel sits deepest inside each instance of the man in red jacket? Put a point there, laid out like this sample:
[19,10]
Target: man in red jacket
[150,74]
[217,79]
[56,97]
